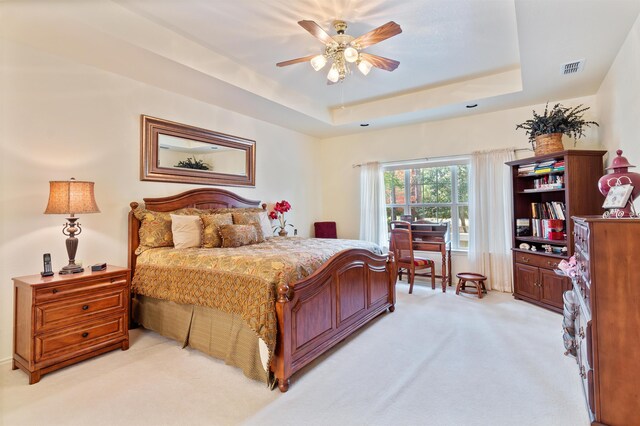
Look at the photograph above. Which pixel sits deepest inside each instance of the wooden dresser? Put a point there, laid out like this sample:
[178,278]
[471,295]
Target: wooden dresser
[64,319]
[602,318]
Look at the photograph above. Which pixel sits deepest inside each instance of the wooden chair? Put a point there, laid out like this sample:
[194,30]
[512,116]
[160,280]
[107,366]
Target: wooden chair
[402,247]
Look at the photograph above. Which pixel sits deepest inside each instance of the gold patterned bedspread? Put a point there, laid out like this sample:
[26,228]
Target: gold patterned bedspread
[238,280]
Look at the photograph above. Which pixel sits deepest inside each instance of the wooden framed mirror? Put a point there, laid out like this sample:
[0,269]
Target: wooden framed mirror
[174,152]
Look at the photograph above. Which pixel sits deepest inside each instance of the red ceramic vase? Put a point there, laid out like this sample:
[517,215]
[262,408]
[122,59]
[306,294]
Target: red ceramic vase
[620,176]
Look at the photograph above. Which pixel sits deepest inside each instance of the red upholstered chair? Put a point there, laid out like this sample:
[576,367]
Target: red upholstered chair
[325,230]
[402,247]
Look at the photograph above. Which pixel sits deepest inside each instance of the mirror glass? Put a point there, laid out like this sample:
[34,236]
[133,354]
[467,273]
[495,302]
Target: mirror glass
[181,153]
[174,152]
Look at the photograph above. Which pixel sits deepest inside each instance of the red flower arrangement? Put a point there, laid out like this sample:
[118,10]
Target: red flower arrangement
[277,213]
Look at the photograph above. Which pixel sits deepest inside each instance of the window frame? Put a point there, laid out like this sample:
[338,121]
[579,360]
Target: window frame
[454,205]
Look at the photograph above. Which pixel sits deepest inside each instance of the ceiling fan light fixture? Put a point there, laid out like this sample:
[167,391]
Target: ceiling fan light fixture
[364,67]
[318,62]
[350,54]
[334,74]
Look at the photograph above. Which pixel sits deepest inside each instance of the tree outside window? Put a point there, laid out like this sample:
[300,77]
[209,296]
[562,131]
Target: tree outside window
[434,193]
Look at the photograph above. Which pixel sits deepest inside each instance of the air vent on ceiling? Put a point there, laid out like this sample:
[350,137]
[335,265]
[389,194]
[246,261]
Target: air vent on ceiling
[572,67]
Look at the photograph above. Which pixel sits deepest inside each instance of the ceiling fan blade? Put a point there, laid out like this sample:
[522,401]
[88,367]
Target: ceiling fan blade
[380,62]
[317,31]
[377,35]
[295,61]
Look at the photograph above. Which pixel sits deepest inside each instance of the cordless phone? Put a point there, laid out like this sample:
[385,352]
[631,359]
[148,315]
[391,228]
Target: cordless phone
[47,265]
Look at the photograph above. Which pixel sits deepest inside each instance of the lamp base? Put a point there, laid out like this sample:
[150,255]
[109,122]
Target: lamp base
[71,269]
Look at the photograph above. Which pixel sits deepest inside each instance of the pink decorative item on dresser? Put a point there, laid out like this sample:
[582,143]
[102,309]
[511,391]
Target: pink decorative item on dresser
[621,176]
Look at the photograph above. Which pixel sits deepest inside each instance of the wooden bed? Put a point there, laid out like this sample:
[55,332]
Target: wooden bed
[313,314]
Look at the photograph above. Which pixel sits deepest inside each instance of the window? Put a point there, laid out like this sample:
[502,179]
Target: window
[438,193]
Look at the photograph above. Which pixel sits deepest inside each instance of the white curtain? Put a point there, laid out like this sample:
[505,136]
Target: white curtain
[491,217]
[372,208]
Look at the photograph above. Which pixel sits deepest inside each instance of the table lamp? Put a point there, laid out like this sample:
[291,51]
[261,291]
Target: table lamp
[71,197]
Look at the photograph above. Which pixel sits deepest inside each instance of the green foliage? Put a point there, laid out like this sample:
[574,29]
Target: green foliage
[193,164]
[394,185]
[559,119]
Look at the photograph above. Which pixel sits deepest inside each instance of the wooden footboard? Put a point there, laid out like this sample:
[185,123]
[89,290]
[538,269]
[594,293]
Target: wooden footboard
[315,314]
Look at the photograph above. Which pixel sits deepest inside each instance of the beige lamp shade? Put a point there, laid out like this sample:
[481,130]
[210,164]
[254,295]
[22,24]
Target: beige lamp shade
[71,197]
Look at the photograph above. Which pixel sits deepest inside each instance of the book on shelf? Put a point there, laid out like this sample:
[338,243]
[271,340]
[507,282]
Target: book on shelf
[548,210]
[541,170]
[526,169]
[541,167]
[523,227]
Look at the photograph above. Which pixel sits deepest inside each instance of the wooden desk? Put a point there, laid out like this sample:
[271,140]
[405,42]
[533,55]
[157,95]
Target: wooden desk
[444,247]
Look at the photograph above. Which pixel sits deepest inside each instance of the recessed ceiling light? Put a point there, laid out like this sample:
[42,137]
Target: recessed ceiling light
[364,124]
[472,105]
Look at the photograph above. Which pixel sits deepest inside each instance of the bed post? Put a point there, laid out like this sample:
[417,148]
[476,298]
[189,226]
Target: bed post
[283,346]
[393,274]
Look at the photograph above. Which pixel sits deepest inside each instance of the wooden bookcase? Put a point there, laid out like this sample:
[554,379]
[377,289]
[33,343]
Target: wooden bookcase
[534,279]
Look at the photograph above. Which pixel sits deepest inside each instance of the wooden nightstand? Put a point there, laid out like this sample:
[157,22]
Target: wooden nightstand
[64,319]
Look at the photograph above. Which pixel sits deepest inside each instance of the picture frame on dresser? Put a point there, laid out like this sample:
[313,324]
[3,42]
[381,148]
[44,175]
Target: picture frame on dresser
[618,196]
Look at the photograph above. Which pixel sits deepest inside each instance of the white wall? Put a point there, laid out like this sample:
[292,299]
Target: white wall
[341,191]
[60,119]
[619,102]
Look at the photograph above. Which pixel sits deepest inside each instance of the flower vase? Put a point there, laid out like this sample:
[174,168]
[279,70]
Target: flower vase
[283,233]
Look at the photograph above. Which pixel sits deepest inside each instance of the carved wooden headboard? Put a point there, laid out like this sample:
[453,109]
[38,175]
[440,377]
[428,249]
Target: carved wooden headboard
[203,198]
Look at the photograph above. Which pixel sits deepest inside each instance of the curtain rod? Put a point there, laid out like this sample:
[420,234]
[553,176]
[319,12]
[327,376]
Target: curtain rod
[431,158]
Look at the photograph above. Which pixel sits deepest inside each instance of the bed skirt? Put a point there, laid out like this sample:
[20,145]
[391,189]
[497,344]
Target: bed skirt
[218,334]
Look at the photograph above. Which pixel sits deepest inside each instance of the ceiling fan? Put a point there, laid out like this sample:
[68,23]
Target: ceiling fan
[344,49]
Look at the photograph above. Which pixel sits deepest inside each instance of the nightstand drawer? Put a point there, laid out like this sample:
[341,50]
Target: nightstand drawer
[72,289]
[70,342]
[77,310]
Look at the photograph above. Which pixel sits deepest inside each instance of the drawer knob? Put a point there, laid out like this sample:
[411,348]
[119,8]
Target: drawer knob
[54,291]
[85,334]
[525,259]
[85,307]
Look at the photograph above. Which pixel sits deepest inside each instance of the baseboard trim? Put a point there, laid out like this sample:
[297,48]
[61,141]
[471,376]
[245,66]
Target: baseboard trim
[5,360]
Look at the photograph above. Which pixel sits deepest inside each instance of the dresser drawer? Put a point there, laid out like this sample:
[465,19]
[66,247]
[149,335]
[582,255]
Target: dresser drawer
[79,309]
[71,289]
[536,260]
[70,342]
[581,237]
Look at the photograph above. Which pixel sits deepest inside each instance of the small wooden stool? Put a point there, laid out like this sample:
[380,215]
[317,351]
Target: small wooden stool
[478,280]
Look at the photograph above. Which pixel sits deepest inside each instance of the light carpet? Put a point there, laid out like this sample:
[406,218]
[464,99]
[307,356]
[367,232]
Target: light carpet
[439,359]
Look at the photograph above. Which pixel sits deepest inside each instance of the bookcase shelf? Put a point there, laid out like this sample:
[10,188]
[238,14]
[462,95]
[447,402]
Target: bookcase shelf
[534,279]
[552,255]
[534,175]
[534,191]
[542,240]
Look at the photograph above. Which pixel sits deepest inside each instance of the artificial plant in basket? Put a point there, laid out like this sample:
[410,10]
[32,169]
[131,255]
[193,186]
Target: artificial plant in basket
[557,121]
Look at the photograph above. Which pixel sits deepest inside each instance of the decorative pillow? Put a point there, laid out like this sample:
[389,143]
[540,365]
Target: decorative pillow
[212,223]
[245,218]
[155,227]
[186,231]
[238,235]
